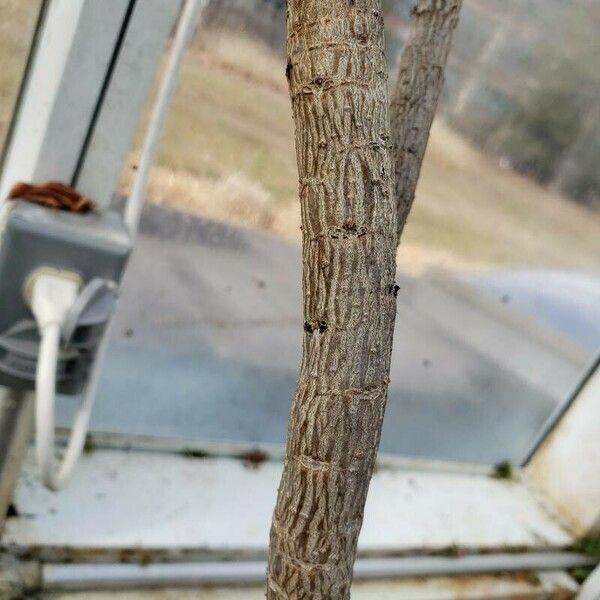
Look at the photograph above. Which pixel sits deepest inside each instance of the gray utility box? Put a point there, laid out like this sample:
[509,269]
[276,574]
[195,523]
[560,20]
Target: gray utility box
[96,246]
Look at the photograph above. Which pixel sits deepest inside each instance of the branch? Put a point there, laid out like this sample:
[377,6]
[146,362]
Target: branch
[415,97]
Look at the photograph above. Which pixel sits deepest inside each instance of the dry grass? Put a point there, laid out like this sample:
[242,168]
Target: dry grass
[17,21]
[233,198]
[228,154]
[469,207]
[225,119]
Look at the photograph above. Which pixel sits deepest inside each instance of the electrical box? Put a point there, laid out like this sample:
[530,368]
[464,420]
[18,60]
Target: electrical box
[96,246]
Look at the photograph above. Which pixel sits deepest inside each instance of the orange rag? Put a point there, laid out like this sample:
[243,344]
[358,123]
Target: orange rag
[52,194]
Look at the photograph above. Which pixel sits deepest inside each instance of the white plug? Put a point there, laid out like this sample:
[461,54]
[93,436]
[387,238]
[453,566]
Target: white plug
[50,293]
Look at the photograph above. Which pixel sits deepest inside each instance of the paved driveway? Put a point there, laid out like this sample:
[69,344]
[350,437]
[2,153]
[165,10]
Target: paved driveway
[207,346]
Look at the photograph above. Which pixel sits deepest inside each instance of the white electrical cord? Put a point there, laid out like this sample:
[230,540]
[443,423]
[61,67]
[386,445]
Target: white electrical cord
[45,384]
[185,29]
[51,294]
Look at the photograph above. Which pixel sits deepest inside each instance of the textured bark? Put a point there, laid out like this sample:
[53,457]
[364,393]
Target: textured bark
[415,97]
[337,79]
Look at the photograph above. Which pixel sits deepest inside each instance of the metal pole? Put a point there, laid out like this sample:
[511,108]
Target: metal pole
[185,29]
[131,576]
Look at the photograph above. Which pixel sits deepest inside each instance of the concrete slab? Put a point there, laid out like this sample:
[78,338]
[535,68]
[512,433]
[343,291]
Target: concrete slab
[143,505]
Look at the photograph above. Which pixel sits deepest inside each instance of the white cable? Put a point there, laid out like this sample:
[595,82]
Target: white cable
[51,294]
[52,477]
[45,383]
[185,29]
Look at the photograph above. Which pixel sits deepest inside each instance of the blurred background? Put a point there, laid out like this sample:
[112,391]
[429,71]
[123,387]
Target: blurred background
[499,307]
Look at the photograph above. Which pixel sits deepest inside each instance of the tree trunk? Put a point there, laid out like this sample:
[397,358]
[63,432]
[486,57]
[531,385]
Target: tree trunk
[418,88]
[337,79]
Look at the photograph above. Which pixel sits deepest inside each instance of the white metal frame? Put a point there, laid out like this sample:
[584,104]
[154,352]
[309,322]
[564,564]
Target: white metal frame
[66,76]
[90,74]
[565,467]
[134,72]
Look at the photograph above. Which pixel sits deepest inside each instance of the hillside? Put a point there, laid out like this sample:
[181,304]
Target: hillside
[228,153]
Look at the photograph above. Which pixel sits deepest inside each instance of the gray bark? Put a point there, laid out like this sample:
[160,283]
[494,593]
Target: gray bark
[415,97]
[337,80]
